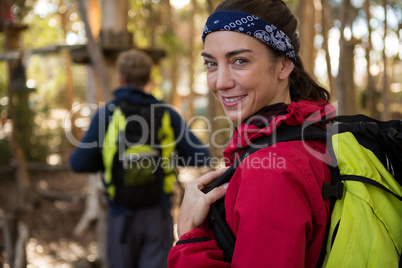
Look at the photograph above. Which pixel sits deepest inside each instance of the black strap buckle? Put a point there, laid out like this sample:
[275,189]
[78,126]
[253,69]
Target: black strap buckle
[335,190]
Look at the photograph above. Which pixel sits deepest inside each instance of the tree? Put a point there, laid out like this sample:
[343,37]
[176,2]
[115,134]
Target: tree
[191,56]
[16,232]
[306,14]
[371,97]
[94,50]
[345,85]
[385,98]
[325,21]
[172,60]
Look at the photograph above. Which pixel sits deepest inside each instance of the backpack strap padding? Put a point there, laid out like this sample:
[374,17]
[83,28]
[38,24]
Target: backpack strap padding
[167,143]
[110,147]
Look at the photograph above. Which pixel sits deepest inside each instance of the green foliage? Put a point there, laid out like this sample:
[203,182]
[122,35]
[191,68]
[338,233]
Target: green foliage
[5,153]
[50,78]
[40,34]
[26,128]
[3,79]
[141,16]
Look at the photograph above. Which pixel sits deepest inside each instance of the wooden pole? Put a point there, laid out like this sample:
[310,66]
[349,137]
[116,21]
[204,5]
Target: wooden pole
[95,53]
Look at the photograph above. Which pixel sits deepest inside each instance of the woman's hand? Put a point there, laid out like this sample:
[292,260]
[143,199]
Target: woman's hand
[196,203]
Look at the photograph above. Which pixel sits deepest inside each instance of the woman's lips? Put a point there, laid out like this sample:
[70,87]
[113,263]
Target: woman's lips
[232,101]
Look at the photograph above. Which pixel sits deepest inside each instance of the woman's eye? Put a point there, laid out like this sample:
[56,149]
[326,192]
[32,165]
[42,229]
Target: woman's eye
[240,61]
[210,64]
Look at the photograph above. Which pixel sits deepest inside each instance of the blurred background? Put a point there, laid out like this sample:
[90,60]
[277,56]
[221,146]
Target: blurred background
[57,67]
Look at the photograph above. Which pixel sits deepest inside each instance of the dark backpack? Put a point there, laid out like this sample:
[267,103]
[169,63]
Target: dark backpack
[372,146]
[133,156]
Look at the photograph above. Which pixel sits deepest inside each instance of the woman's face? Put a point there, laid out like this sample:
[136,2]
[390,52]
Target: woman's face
[242,75]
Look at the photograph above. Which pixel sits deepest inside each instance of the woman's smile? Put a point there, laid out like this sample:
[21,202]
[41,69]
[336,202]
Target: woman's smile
[232,101]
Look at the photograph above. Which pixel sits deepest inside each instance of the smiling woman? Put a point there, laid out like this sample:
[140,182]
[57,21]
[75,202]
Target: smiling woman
[253,68]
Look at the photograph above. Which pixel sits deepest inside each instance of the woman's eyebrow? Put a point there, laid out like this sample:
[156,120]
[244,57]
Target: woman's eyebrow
[207,55]
[235,52]
[228,54]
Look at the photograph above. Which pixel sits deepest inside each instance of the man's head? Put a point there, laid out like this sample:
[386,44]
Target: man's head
[134,68]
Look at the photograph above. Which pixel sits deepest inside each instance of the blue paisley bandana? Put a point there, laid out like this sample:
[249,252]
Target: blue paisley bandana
[251,25]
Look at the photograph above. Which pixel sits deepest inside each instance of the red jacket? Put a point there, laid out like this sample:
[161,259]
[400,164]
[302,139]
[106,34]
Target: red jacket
[273,203]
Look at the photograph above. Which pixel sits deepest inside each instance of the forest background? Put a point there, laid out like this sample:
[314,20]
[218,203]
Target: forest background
[57,66]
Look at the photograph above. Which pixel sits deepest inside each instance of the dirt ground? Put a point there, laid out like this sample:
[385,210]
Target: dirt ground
[52,220]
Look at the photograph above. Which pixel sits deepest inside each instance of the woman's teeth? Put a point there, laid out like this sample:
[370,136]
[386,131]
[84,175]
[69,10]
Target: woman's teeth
[233,99]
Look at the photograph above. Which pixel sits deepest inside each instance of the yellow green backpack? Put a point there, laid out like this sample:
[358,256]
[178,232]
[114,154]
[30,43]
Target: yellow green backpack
[366,221]
[365,227]
[137,155]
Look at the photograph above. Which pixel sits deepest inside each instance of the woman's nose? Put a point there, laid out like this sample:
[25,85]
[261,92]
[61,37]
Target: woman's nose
[224,79]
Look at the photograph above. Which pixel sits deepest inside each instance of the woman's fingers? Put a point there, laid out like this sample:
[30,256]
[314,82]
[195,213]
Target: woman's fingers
[196,204]
[204,204]
[216,194]
[208,178]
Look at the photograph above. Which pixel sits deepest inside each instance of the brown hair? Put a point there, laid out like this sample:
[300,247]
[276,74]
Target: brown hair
[134,66]
[277,13]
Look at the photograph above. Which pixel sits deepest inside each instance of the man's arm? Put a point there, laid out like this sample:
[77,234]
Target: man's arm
[87,157]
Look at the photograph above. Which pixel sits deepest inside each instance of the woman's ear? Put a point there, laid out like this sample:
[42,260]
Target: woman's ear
[286,69]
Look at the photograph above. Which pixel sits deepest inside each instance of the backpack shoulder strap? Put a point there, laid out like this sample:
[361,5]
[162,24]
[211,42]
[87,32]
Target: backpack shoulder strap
[282,134]
[217,218]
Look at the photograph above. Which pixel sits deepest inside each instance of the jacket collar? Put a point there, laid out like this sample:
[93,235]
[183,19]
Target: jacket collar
[268,119]
[134,95]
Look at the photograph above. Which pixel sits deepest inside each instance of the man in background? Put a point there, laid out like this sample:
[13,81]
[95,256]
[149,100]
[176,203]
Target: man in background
[141,236]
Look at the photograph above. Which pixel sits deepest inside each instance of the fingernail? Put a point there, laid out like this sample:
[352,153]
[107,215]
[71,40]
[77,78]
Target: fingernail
[225,185]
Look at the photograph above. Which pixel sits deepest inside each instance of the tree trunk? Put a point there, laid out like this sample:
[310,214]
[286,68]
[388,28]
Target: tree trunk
[168,17]
[70,79]
[326,18]
[15,231]
[94,51]
[385,99]
[345,84]
[27,195]
[371,98]
[94,20]
[176,99]
[15,237]
[191,56]
[307,34]
[114,34]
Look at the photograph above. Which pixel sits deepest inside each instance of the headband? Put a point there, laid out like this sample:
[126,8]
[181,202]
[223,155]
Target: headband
[251,25]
